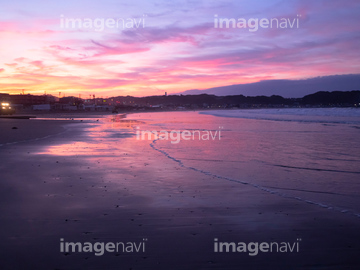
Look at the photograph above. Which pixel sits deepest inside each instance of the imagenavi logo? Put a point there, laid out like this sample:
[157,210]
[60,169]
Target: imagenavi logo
[175,136]
[253,248]
[99,248]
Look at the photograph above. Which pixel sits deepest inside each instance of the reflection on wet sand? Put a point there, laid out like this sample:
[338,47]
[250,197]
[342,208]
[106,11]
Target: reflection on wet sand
[103,138]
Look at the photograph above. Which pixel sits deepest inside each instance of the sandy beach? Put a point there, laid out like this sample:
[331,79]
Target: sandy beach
[74,180]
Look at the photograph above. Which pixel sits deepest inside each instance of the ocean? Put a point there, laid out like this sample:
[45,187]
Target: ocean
[308,155]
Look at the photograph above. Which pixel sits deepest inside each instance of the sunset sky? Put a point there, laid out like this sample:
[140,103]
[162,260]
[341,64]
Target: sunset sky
[174,47]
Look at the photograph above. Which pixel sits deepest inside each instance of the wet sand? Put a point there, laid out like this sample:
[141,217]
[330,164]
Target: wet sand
[59,187]
[15,130]
[39,126]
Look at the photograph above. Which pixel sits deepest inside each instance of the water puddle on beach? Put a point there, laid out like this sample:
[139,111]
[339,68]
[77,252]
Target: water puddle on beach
[101,136]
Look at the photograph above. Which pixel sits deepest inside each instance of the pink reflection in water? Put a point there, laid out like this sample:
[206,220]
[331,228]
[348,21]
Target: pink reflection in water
[307,160]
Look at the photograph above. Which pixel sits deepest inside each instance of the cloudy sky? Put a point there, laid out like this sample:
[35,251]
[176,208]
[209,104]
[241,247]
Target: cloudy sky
[148,47]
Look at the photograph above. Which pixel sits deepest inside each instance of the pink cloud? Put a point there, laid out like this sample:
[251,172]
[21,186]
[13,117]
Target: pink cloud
[173,53]
[118,49]
[12,64]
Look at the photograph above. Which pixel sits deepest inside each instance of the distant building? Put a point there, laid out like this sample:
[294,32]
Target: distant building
[4,97]
[28,100]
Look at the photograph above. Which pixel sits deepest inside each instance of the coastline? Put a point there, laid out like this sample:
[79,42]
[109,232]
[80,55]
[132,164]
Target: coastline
[99,189]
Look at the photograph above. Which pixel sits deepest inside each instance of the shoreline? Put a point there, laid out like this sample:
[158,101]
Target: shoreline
[73,114]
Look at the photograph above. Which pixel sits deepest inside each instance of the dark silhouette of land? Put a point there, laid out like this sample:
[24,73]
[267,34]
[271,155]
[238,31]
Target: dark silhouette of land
[323,99]
[182,102]
[286,88]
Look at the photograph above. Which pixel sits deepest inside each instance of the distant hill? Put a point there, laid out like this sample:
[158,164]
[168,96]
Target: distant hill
[286,88]
[323,98]
[336,97]
[205,101]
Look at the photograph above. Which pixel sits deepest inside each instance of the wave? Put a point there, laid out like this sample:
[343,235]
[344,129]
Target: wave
[315,169]
[325,116]
[271,190]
